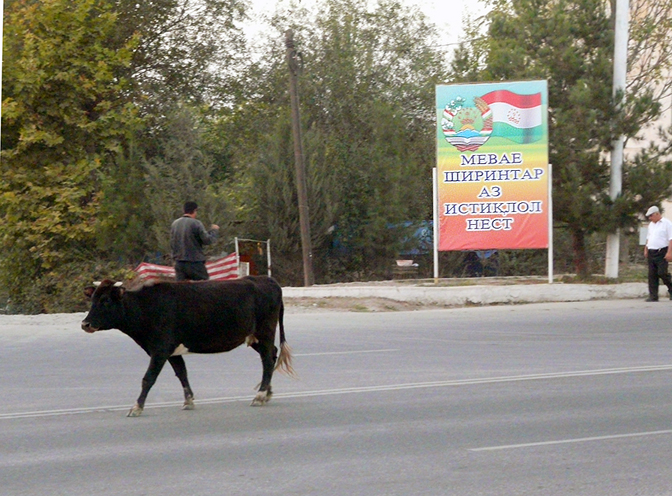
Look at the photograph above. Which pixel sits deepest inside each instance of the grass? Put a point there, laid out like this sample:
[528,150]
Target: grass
[626,273]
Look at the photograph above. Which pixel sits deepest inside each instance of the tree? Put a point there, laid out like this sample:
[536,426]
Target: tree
[185,64]
[188,50]
[87,86]
[366,90]
[182,171]
[124,215]
[570,44]
[649,55]
[63,116]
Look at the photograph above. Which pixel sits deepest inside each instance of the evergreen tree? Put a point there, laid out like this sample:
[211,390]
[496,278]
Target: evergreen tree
[181,171]
[570,44]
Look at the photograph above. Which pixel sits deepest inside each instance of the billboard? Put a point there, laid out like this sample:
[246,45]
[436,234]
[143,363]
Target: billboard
[492,166]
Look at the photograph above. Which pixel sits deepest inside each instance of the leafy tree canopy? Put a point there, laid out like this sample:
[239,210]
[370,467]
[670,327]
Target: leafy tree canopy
[366,89]
[63,114]
[87,86]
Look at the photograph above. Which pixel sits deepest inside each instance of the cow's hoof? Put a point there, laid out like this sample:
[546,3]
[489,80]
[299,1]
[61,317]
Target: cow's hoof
[261,399]
[188,404]
[135,411]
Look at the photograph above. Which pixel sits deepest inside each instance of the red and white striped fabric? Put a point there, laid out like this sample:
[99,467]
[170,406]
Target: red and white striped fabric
[223,268]
[220,269]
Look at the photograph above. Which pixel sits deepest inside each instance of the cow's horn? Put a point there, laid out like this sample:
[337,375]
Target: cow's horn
[116,284]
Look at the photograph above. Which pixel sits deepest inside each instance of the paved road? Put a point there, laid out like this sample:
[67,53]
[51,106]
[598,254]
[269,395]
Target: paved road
[542,399]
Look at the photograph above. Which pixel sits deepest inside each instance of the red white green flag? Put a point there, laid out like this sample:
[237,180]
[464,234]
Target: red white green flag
[515,117]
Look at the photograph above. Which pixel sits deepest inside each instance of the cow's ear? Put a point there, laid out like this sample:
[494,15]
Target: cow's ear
[117,292]
[88,291]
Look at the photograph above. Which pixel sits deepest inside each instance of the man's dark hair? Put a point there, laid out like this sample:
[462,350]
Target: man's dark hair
[190,207]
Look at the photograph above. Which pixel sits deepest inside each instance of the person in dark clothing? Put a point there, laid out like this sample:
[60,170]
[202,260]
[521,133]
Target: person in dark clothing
[187,239]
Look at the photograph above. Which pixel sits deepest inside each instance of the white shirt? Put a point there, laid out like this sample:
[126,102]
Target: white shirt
[659,234]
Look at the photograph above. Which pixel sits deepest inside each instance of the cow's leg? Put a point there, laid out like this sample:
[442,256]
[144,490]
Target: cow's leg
[156,363]
[180,368]
[267,351]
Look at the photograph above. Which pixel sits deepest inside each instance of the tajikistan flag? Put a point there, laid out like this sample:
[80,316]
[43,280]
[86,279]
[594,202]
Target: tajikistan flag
[515,117]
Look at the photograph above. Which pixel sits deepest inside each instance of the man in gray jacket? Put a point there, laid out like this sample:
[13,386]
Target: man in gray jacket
[187,238]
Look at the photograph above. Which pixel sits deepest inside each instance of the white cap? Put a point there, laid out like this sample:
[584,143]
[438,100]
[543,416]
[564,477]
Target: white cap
[652,210]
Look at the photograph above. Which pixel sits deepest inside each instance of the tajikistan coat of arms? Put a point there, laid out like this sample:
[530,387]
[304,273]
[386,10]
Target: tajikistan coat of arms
[467,127]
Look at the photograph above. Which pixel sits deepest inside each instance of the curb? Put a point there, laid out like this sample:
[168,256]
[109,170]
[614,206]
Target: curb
[478,295]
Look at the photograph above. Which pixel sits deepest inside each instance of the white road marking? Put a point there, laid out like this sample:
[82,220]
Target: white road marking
[571,441]
[345,352]
[360,389]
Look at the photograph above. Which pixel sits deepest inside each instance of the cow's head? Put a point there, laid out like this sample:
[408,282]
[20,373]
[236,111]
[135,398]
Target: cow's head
[106,306]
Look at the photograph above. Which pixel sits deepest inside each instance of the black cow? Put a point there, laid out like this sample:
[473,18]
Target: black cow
[168,319]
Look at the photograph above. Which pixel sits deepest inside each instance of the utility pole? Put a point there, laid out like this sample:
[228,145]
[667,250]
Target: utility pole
[620,73]
[301,188]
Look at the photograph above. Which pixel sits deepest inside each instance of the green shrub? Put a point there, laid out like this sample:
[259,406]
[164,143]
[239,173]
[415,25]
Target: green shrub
[61,290]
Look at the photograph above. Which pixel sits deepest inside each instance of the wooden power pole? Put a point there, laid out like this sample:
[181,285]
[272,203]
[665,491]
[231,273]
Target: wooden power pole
[301,188]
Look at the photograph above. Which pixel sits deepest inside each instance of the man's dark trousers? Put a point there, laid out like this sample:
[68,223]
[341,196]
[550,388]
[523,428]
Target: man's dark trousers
[658,269]
[191,271]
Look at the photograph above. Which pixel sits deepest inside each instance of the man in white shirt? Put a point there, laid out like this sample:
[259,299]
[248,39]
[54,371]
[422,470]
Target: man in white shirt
[658,252]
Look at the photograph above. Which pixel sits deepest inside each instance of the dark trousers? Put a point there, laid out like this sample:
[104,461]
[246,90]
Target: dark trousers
[191,271]
[658,269]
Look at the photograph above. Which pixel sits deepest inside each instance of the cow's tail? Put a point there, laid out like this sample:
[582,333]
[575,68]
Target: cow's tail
[284,362]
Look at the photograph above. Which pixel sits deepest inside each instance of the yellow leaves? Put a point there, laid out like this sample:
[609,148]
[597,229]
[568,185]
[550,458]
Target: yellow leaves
[63,108]
[33,134]
[11,108]
[48,209]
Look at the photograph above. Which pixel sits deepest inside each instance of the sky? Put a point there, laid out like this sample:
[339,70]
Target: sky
[445,14]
